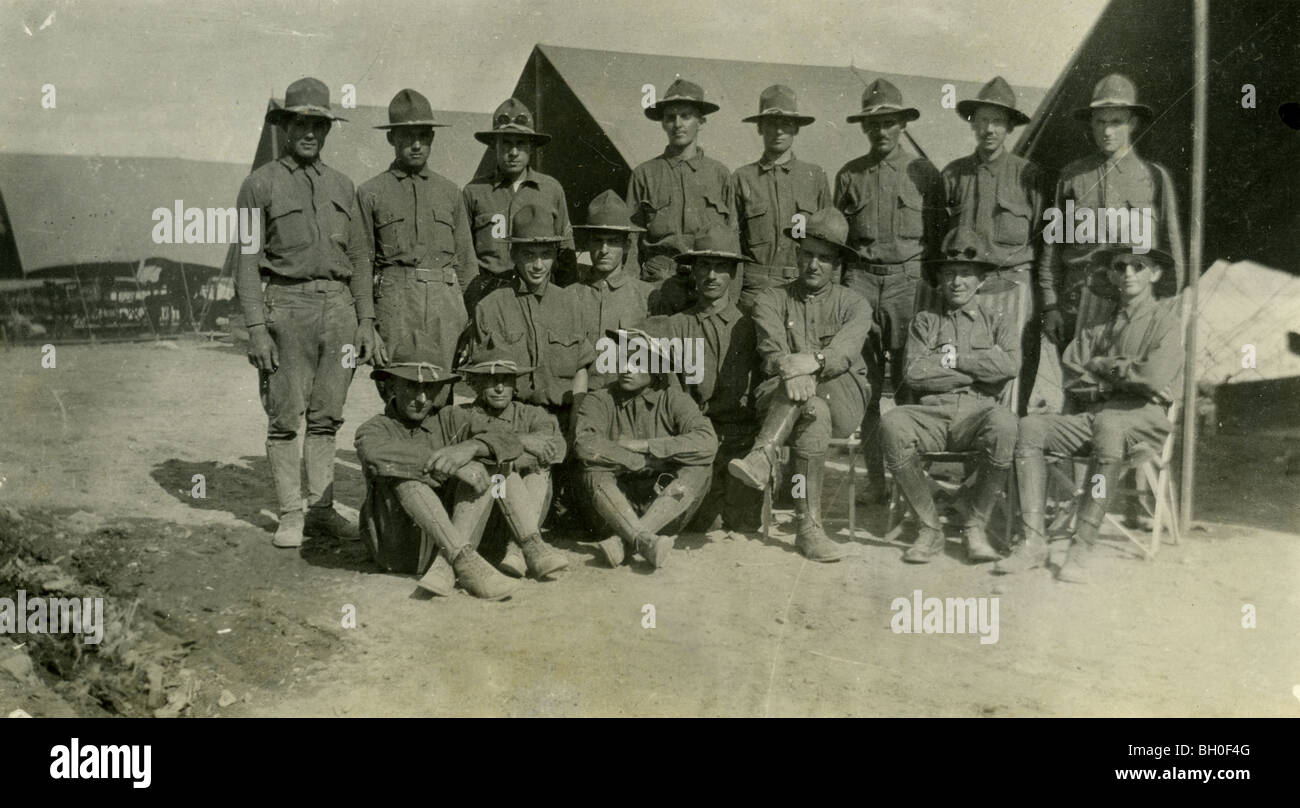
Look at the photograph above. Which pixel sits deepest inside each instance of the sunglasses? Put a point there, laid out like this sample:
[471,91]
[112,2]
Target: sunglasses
[519,119]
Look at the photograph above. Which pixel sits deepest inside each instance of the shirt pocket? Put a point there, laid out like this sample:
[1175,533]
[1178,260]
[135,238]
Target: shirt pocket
[756,227]
[388,230]
[655,213]
[862,220]
[826,333]
[1010,221]
[910,221]
[288,227]
[340,221]
[444,219]
[563,350]
[716,210]
[483,224]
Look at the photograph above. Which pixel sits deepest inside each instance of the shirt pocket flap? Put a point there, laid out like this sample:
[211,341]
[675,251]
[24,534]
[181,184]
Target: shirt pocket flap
[279,208]
[910,197]
[565,340]
[383,218]
[342,205]
[1017,206]
[483,219]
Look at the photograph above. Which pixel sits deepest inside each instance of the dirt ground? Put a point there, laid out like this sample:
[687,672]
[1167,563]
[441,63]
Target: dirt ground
[97,458]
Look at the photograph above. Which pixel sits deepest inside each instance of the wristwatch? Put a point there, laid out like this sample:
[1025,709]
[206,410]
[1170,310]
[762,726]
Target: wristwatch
[821,359]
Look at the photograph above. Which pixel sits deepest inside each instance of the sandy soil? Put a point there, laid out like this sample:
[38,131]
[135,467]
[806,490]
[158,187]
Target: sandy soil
[96,466]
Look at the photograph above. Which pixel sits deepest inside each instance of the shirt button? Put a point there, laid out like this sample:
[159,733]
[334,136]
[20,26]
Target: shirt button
[790,324]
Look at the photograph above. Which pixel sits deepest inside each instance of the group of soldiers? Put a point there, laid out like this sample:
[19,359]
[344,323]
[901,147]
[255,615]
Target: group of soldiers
[812,303]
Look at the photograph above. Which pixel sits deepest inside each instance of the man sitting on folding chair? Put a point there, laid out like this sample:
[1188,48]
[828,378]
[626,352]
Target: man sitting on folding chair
[957,363]
[1122,374]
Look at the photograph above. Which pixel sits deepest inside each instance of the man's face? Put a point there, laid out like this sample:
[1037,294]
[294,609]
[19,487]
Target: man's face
[495,390]
[414,400]
[713,276]
[630,382]
[817,262]
[1112,129]
[513,154]
[306,136]
[960,283]
[884,131]
[778,135]
[533,262]
[990,126]
[1133,275]
[607,248]
[682,123]
[411,146]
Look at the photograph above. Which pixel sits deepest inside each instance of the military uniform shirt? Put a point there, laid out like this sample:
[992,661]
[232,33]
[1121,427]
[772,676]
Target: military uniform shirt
[666,418]
[675,199]
[1000,199]
[391,446]
[1142,351]
[729,363]
[767,197]
[519,419]
[311,229]
[490,194]
[417,220]
[985,353]
[895,207]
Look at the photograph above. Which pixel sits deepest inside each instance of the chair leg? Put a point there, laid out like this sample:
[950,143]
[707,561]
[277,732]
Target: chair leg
[1171,492]
[853,492]
[1154,483]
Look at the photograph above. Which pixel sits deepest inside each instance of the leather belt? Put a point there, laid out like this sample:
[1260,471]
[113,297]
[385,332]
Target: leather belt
[422,275]
[881,269]
[308,284]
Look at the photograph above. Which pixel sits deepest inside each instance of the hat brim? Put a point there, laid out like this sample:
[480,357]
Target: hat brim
[908,113]
[801,120]
[846,249]
[413,124]
[1099,259]
[655,112]
[489,137]
[275,116]
[1085,113]
[982,266]
[689,257]
[533,240]
[967,108]
[411,374]
[612,228]
[652,347]
[470,371]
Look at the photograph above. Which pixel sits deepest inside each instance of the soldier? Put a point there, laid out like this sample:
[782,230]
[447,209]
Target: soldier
[998,196]
[1111,179]
[410,450]
[810,337]
[493,199]
[895,208]
[727,371]
[611,295]
[770,191]
[645,450]
[302,329]
[957,362]
[1123,375]
[678,194]
[417,237]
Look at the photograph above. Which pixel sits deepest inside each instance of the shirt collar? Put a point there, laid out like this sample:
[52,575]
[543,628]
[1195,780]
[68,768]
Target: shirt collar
[401,173]
[1122,163]
[521,287]
[993,161]
[1134,309]
[692,162]
[507,414]
[803,292]
[894,159]
[613,280]
[722,308]
[971,309]
[502,181]
[293,165]
[785,163]
[391,411]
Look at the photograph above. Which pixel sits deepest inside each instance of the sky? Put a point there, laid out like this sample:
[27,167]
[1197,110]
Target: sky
[190,79]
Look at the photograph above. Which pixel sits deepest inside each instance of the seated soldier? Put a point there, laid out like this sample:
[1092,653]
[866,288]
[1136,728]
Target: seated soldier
[493,374]
[1122,375]
[810,337]
[406,453]
[957,363]
[646,452]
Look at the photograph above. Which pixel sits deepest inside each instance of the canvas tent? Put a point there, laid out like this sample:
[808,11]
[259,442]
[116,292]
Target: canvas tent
[591,101]
[360,151]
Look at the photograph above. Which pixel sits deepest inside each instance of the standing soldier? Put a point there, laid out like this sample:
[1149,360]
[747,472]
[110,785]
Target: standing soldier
[418,238]
[678,194]
[770,191]
[612,297]
[998,196]
[301,329]
[492,199]
[895,208]
[646,450]
[1112,178]
[810,336]
[723,382]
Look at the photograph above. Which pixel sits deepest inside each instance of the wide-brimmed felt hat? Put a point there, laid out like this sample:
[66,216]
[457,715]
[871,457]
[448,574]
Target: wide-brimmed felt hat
[1104,257]
[828,225]
[716,242]
[512,118]
[608,211]
[306,96]
[415,358]
[493,360]
[883,98]
[778,101]
[533,225]
[409,108]
[968,248]
[997,93]
[681,91]
[649,333]
[1115,91]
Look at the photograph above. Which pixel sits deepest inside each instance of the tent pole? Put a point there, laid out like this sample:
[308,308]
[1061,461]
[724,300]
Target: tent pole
[1200,24]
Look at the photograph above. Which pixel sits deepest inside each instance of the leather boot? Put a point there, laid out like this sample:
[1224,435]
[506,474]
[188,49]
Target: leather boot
[440,578]
[542,559]
[518,508]
[479,578]
[1091,512]
[912,480]
[1032,552]
[755,468]
[654,548]
[811,539]
[318,457]
[514,564]
[991,481]
[286,472]
[614,550]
